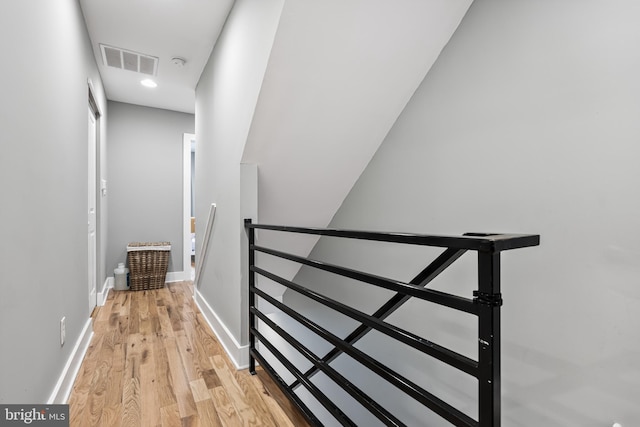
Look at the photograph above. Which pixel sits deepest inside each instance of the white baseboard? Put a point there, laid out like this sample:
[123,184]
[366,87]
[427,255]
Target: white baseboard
[239,354]
[102,296]
[62,390]
[176,276]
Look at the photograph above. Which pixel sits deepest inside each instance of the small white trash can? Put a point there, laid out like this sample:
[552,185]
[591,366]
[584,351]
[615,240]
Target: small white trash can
[121,274]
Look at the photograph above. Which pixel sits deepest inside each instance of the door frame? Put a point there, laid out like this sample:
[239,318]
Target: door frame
[187,138]
[94,108]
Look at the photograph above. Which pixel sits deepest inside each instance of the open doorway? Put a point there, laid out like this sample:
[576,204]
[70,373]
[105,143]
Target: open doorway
[189,220]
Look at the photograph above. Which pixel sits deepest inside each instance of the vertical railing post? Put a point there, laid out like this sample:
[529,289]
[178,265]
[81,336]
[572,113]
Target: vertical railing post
[252,297]
[489,300]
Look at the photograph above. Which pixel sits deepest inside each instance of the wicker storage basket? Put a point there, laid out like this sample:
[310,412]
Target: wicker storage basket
[148,263]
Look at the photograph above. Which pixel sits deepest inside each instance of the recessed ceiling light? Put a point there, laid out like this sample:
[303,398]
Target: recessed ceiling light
[148,83]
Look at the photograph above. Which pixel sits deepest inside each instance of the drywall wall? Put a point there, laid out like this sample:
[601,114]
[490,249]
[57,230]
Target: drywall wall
[528,122]
[43,188]
[339,74]
[145,185]
[226,97]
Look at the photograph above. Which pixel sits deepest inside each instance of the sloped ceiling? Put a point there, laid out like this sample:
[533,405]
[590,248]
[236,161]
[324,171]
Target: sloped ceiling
[339,75]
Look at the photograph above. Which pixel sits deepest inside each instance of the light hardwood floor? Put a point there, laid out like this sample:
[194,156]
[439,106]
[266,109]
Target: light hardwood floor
[153,361]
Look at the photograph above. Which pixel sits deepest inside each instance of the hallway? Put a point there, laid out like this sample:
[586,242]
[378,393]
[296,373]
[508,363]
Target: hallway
[154,361]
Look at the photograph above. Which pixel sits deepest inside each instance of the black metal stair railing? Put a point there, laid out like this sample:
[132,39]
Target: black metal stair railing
[485,305]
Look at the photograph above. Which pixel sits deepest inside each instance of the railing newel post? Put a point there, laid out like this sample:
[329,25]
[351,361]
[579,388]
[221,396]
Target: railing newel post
[489,300]
[252,296]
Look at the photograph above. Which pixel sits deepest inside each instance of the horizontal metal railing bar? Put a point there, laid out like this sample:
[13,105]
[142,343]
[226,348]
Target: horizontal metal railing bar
[473,241]
[337,413]
[437,405]
[430,272]
[443,354]
[309,415]
[371,405]
[442,298]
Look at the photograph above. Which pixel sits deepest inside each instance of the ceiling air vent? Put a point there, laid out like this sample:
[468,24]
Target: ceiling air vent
[129,60]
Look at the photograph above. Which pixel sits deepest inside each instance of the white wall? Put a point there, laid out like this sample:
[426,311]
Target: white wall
[339,74]
[226,96]
[528,122]
[145,187]
[43,176]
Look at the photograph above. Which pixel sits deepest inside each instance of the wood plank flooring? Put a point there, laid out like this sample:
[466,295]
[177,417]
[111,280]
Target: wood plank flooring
[153,361]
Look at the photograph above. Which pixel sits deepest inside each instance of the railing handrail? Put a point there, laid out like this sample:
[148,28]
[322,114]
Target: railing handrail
[204,248]
[485,305]
[484,242]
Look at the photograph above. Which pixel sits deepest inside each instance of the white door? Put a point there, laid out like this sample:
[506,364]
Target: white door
[92,249]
